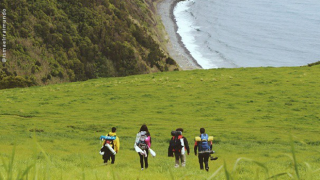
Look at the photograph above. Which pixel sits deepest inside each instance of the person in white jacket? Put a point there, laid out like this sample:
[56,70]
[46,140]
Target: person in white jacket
[142,144]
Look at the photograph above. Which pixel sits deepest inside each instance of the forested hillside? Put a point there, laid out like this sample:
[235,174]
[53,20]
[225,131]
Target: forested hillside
[53,41]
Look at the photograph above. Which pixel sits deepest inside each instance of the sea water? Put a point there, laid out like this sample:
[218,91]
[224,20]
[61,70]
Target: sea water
[250,33]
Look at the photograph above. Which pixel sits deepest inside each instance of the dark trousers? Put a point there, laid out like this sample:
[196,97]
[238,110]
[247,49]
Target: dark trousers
[203,158]
[142,157]
[107,155]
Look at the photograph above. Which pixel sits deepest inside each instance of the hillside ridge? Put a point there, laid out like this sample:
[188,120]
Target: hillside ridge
[63,41]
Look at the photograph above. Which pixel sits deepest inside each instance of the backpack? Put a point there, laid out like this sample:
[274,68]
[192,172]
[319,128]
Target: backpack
[109,140]
[204,145]
[175,143]
[142,142]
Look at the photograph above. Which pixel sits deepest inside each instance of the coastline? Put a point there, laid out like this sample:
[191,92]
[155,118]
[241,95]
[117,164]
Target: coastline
[175,46]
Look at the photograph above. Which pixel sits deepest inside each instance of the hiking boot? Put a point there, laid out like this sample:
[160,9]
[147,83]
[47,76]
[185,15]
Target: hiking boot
[207,168]
[176,166]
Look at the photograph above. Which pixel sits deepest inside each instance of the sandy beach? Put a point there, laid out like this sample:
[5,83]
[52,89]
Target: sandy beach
[175,47]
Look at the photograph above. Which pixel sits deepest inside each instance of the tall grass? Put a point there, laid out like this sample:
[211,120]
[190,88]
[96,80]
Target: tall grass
[232,175]
[11,170]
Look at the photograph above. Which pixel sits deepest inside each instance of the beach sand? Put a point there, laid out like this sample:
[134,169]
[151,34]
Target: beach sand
[175,47]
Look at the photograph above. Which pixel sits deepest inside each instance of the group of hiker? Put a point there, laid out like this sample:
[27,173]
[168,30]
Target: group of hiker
[178,147]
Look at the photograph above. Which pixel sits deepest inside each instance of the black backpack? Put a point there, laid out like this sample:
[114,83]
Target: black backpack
[175,143]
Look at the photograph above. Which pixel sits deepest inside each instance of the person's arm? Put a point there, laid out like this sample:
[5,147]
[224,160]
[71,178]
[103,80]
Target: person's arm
[150,140]
[210,145]
[117,145]
[186,145]
[148,134]
[170,152]
[137,140]
[195,148]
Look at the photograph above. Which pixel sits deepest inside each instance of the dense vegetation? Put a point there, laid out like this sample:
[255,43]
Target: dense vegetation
[74,40]
[251,112]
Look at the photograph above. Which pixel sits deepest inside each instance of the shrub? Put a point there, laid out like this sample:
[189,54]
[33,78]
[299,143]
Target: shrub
[313,64]
[15,81]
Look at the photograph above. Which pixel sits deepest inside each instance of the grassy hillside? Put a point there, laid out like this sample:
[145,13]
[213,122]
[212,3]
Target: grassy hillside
[61,41]
[251,112]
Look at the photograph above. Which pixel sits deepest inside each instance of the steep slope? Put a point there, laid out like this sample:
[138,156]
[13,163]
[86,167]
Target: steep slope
[63,40]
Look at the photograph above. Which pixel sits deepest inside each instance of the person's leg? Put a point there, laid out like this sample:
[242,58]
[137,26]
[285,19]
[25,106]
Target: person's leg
[183,160]
[105,160]
[206,159]
[146,159]
[113,158]
[141,160]
[176,156]
[200,156]
[106,156]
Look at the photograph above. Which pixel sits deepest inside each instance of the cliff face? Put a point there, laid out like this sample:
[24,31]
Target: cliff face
[73,40]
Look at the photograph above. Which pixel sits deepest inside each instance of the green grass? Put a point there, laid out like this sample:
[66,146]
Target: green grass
[251,112]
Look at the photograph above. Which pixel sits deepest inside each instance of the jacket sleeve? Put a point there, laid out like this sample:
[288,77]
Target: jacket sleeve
[186,144]
[170,150]
[117,144]
[195,148]
[137,140]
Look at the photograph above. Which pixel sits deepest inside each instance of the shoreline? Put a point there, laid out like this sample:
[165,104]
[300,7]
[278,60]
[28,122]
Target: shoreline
[175,46]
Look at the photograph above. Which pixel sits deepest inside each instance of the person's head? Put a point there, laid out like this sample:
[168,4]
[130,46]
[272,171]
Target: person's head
[113,129]
[202,130]
[179,129]
[144,128]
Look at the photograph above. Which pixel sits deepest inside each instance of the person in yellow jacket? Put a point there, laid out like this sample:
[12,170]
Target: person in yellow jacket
[115,144]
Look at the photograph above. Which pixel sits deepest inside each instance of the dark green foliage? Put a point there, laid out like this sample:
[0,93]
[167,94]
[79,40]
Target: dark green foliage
[79,39]
[169,60]
[14,81]
[313,64]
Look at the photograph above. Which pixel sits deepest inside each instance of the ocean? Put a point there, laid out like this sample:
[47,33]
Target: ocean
[250,33]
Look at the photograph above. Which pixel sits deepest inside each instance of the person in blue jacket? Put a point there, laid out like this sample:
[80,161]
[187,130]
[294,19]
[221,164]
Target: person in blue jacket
[203,146]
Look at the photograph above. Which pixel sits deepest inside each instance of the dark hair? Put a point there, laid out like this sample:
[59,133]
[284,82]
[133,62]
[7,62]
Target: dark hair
[114,129]
[202,130]
[179,129]
[144,128]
